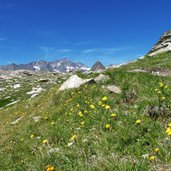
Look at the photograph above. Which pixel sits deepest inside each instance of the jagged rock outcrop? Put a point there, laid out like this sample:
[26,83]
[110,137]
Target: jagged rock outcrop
[98,66]
[163,45]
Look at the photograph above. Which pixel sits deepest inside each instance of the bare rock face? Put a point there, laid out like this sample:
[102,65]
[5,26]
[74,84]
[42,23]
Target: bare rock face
[114,89]
[101,78]
[98,66]
[163,45]
[74,82]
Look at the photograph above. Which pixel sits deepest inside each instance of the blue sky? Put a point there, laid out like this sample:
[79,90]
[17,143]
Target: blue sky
[112,31]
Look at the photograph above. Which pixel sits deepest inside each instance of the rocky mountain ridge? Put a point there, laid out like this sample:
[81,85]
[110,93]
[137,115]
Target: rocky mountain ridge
[62,65]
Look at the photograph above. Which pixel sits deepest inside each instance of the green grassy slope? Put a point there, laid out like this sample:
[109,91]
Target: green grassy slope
[160,61]
[79,129]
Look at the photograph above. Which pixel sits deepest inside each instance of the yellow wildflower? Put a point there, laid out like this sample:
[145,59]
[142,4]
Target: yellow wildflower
[92,106]
[45,141]
[166,87]
[80,113]
[52,123]
[50,168]
[169,125]
[169,133]
[74,137]
[107,126]
[78,105]
[32,136]
[104,98]
[138,121]
[168,130]
[107,107]
[156,149]
[152,158]
[163,98]
[113,115]
[161,84]
[82,123]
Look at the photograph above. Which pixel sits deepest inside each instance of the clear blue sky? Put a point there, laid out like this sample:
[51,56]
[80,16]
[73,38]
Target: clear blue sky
[112,31]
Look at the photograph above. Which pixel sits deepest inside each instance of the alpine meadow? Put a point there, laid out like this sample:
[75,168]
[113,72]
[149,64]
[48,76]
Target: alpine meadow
[85,85]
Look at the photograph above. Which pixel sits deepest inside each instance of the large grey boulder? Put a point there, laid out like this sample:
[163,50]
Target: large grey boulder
[74,82]
[101,78]
[114,89]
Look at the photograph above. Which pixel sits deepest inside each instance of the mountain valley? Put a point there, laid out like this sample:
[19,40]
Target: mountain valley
[103,119]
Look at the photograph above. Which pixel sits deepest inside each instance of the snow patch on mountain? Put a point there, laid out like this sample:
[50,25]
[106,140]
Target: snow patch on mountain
[37,68]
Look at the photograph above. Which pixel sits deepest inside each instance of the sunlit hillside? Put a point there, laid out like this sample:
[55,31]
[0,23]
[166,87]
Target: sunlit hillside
[89,128]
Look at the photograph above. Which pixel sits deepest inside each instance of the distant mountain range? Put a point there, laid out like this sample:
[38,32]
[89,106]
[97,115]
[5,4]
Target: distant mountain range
[62,65]
[65,65]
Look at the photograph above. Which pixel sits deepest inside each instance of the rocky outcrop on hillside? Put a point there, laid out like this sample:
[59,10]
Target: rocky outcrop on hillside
[163,45]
